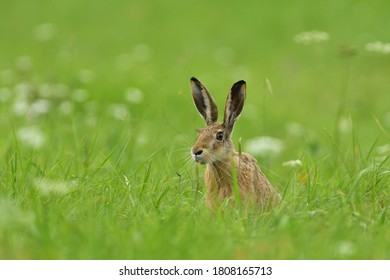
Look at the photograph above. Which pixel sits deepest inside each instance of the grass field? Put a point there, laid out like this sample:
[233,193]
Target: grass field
[96,123]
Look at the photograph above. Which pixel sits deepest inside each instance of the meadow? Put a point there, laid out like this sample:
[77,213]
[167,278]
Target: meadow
[97,121]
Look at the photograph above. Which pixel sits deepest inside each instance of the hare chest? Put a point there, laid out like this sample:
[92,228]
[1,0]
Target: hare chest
[253,185]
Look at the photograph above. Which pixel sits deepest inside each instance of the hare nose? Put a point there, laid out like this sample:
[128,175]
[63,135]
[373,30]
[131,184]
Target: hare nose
[198,153]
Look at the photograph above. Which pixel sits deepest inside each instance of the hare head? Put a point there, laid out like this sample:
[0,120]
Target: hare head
[214,142]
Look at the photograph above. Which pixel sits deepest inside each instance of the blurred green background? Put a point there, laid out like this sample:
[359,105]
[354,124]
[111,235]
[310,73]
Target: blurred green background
[97,92]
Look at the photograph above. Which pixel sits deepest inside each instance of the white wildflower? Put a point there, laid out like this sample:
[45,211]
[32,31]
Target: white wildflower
[11,215]
[31,136]
[142,139]
[40,107]
[21,103]
[378,47]
[119,111]
[383,150]
[264,146]
[345,125]
[45,31]
[310,37]
[66,108]
[134,95]
[20,107]
[55,187]
[292,163]
[23,90]
[346,249]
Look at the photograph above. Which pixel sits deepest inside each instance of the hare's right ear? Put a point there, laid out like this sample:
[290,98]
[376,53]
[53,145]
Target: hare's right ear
[204,102]
[234,104]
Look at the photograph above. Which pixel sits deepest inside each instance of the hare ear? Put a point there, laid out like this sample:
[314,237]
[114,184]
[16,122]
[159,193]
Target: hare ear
[204,102]
[234,104]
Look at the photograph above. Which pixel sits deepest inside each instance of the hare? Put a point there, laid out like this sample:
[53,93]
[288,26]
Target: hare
[214,147]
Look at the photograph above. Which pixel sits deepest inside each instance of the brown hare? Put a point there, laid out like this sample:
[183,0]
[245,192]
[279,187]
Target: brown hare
[214,147]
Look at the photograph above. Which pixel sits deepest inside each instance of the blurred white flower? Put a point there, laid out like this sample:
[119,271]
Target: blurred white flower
[24,63]
[80,95]
[134,95]
[383,150]
[55,187]
[40,107]
[23,90]
[119,111]
[20,107]
[378,47]
[66,108]
[346,248]
[142,139]
[310,37]
[292,163]
[23,93]
[264,146]
[31,136]
[345,125]
[5,94]
[45,31]
[11,215]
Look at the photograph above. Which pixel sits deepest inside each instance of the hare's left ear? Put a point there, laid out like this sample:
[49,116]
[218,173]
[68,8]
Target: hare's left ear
[234,104]
[204,102]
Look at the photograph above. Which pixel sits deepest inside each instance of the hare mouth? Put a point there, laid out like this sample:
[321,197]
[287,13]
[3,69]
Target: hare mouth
[198,159]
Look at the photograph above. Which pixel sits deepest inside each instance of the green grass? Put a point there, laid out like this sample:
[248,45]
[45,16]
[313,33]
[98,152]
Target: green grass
[104,181]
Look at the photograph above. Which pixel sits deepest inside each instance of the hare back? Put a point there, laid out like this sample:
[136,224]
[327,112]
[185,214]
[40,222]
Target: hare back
[252,180]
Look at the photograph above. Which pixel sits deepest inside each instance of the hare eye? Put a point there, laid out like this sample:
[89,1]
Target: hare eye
[219,136]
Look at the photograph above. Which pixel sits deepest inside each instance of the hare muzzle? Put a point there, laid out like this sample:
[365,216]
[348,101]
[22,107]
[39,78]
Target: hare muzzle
[197,155]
